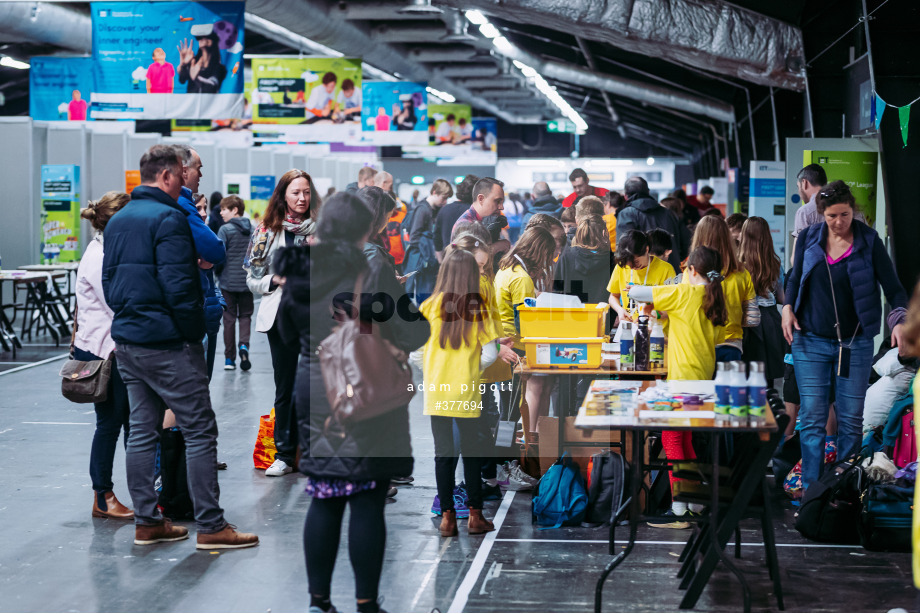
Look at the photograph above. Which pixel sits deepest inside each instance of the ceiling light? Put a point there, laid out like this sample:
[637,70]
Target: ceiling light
[442,95]
[11,63]
[489,31]
[650,161]
[476,18]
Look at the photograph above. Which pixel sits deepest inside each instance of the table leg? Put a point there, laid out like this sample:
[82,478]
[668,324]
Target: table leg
[634,512]
[38,299]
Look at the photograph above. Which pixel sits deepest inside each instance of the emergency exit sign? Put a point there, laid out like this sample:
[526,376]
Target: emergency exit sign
[560,125]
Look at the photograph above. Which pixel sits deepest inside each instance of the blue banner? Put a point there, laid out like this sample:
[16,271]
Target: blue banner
[394,106]
[60,88]
[768,188]
[167,60]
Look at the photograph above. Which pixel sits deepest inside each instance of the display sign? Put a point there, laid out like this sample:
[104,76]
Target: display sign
[60,217]
[165,60]
[450,124]
[132,180]
[767,199]
[858,169]
[560,125]
[261,188]
[60,88]
[322,95]
[485,134]
[394,113]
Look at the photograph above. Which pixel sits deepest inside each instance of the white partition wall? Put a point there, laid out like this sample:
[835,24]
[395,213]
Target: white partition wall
[18,199]
[236,159]
[301,160]
[260,162]
[210,167]
[282,162]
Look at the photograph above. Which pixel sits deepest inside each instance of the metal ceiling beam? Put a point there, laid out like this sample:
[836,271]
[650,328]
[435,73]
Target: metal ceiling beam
[469,70]
[495,83]
[526,94]
[375,12]
[408,33]
[714,35]
[444,55]
[593,66]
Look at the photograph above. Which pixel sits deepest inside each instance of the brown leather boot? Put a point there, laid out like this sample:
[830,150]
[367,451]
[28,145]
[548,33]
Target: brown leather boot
[145,535]
[113,507]
[478,523]
[449,523]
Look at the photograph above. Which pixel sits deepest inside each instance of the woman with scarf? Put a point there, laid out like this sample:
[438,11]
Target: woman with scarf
[290,219]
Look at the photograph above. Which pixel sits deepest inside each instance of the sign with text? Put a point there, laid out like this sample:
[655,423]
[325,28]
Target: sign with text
[60,88]
[768,200]
[858,169]
[60,217]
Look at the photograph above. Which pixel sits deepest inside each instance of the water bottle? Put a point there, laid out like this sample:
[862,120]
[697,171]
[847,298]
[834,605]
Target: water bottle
[723,394]
[627,348]
[757,394]
[641,344]
[738,390]
[656,345]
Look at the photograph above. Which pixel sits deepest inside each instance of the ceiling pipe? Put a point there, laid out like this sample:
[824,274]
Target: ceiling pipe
[43,22]
[500,83]
[469,70]
[591,64]
[356,11]
[570,73]
[717,36]
[439,55]
[407,34]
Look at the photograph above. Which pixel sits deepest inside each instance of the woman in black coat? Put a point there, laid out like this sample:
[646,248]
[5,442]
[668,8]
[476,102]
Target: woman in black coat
[353,467]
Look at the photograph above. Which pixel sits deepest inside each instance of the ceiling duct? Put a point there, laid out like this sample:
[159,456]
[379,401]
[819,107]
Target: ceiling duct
[469,70]
[440,55]
[419,7]
[715,35]
[457,25]
[408,33]
[42,22]
[359,11]
[495,83]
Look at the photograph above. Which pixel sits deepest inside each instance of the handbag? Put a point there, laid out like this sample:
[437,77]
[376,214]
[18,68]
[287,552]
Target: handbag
[365,375]
[85,381]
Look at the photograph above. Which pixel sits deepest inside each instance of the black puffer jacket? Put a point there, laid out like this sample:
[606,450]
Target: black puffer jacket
[584,273]
[235,235]
[319,276]
[644,213]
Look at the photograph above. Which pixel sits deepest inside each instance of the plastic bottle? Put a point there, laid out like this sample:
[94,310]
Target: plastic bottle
[656,345]
[738,390]
[642,344]
[757,393]
[723,392]
[627,348]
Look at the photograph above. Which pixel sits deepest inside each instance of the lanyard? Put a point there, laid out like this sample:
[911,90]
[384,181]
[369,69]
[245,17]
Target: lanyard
[645,281]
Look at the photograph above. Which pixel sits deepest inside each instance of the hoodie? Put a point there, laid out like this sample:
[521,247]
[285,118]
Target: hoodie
[210,249]
[643,212]
[584,273]
[235,235]
[545,204]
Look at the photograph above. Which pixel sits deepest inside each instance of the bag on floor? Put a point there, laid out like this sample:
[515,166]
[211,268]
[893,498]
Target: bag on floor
[905,448]
[263,455]
[607,499]
[830,508]
[174,500]
[885,519]
[560,497]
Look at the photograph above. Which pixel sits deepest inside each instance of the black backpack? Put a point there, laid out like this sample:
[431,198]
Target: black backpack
[831,506]
[607,499]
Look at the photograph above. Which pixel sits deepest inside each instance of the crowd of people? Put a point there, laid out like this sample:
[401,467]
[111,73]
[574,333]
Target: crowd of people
[440,284]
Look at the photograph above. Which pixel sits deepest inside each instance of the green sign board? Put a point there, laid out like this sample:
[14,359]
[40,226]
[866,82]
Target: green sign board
[60,228]
[858,169]
[560,125]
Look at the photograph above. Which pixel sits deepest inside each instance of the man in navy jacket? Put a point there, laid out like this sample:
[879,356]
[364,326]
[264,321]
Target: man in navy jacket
[150,279]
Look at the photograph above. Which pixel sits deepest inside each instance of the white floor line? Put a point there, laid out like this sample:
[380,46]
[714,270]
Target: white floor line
[479,561]
[34,364]
[666,543]
[427,578]
[61,423]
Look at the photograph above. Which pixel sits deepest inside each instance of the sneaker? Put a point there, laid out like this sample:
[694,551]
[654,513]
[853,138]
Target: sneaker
[245,365]
[391,492]
[670,520]
[491,493]
[402,480]
[436,506]
[227,538]
[518,480]
[278,468]
[503,475]
[145,535]
[461,503]
[229,365]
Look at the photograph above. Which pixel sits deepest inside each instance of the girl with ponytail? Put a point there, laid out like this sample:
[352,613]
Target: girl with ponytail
[698,314]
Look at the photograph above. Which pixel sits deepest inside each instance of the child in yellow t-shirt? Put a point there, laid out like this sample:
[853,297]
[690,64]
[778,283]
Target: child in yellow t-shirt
[461,345]
[697,313]
[634,267]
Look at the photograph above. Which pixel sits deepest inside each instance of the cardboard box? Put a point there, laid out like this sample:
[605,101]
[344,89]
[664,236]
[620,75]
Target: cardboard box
[548,429]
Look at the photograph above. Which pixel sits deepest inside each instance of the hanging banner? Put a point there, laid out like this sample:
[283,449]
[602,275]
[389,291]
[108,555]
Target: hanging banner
[322,97]
[767,199]
[485,134]
[858,169]
[166,60]
[394,113]
[450,124]
[456,138]
[60,88]
[60,234]
[261,188]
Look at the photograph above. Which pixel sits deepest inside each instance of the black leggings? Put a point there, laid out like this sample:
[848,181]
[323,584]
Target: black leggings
[445,458]
[367,535]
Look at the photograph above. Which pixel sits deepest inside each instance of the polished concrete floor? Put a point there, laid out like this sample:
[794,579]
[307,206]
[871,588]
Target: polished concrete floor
[55,557]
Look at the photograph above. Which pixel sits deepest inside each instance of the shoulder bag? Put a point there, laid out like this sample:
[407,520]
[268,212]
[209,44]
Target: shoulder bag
[85,381]
[365,375]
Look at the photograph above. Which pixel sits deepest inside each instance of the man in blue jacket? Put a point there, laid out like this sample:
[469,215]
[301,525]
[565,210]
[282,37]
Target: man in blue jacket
[211,250]
[151,283]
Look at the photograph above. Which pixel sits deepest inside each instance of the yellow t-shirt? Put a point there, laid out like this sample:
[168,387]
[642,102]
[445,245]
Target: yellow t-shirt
[451,383]
[692,339]
[655,274]
[611,220]
[738,289]
[498,371]
[512,286]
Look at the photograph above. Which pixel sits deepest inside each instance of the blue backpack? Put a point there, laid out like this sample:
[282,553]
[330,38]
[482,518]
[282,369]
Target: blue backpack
[561,498]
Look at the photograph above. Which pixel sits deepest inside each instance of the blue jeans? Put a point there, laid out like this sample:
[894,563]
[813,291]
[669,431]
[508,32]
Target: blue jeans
[176,378]
[815,368]
[111,418]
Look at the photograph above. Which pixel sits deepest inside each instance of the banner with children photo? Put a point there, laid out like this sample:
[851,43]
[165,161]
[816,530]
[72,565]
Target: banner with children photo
[167,60]
[395,113]
[316,99]
[454,134]
[60,88]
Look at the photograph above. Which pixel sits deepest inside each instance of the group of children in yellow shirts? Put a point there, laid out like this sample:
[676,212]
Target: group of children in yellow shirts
[475,334]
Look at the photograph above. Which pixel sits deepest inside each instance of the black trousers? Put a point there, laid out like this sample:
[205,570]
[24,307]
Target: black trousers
[445,458]
[367,536]
[284,364]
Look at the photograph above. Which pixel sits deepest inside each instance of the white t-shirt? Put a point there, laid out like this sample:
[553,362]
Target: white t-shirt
[319,98]
[349,102]
[445,131]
